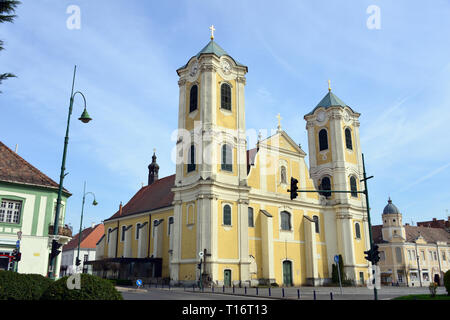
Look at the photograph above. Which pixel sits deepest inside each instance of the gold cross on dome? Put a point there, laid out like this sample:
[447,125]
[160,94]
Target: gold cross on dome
[154,150]
[329,85]
[212,31]
[279,121]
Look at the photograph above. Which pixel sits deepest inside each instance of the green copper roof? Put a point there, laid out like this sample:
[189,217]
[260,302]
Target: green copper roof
[213,47]
[330,100]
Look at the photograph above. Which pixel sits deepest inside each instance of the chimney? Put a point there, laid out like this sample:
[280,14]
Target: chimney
[17,148]
[120,209]
[434,219]
[93,225]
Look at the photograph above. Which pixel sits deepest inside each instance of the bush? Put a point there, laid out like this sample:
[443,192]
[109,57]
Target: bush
[92,288]
[433,288]
[16,286]
[447,282]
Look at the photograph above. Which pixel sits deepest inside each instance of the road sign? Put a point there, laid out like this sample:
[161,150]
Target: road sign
[336,258]
[200,254]
[18,244]
[19,235]
[139,283]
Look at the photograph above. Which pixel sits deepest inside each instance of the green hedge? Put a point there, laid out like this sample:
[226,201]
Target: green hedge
[16,286]
[447,282]
[92,288]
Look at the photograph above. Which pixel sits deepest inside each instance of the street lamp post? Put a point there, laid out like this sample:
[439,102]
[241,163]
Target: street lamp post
[94,203]
[85,118]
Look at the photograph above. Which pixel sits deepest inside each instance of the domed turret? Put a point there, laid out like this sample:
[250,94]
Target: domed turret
[390,208]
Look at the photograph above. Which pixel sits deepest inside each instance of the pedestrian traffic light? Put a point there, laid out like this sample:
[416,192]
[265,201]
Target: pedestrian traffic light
[13,255]
[294,188]
[78,262]
[368,254]
[199,266]
[55,252]
[18,256]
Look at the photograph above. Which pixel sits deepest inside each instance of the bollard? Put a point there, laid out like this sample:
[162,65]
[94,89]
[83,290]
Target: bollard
[256,290]
[269,292]
[245,289]
[212,289]
[298,293]
[224,288]
[315,298]
[282,291]
[233,288]
[193,287]
[331,295]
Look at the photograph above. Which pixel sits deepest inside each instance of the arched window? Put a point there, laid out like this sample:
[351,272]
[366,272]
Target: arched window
[348,139]
[227,215]
[283,174]
[190,214]
[250,218]
[225,94]
[398,253]
[353,187]
[316,222]
[357,231]
[323,140]
[285,220]
[227,158]
[193,101]
[325,184]
[191,162]
[170,225]
[124,229]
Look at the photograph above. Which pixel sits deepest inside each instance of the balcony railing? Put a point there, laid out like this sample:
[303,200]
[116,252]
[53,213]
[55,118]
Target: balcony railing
[62,231]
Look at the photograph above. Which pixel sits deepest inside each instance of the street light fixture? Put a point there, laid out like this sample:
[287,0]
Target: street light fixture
[85,118]
[94,203]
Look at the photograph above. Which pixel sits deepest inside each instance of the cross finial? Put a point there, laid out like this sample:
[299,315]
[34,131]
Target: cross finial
[279,121]
[212,31]
[154,150]
[329,85]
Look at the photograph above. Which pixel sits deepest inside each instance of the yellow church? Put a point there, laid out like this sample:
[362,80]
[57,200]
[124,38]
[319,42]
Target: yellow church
[226,216]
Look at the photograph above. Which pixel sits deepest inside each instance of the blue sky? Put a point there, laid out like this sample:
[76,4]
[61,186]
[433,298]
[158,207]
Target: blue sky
[127,54]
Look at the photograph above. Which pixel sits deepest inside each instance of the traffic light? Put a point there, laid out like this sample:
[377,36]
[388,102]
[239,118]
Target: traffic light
[55,252]
[18,256]
[78,262]
[199,266]
[375,254]
[294,188]
[14,255]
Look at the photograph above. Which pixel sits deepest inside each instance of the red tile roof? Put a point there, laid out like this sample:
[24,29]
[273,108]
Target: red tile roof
[430,235]
[13,168]
[155,196]
[89,238]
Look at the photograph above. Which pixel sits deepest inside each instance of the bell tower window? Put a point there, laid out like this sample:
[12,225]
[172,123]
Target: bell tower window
[348,139]
[225,95]
[323,140]
[353,187]
[193,101]
[191,163]
[325,184]
[227,156]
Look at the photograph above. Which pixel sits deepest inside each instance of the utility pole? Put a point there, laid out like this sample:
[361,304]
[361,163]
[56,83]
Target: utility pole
[373,249]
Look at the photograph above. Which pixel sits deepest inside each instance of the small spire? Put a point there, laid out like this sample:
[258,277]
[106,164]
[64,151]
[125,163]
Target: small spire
[212,31]
[329,85]
[279,122]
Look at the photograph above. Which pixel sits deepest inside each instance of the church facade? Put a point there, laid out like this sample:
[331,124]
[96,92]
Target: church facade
[226,215]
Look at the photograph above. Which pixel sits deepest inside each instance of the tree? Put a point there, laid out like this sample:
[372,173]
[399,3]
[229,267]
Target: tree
[7,10]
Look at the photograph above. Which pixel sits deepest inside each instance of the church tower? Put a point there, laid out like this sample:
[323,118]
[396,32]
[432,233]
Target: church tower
[211,192]
[336,164]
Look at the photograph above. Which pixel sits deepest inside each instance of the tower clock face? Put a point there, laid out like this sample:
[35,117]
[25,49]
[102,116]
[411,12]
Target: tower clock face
[321,116]
[226,66]
[347,116]
[194,69]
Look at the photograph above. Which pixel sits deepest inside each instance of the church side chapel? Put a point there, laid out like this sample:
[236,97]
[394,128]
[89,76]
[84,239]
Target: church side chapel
[226,216]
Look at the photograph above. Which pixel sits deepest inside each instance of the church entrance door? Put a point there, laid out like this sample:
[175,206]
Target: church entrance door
[287,273]
[227,278]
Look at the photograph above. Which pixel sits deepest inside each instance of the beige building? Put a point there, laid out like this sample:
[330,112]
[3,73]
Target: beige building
[410,256]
